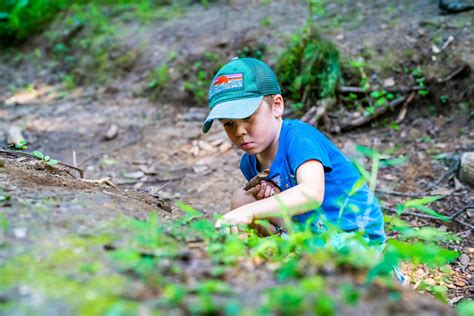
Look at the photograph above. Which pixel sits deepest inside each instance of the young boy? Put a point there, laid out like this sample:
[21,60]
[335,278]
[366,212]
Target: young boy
[305,166]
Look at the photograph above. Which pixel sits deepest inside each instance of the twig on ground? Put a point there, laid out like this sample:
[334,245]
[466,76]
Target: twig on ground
[362,90]
[456,72]
[461,211]
[365,119]
[25,154]
[403,112]
[315,113]
[106,181]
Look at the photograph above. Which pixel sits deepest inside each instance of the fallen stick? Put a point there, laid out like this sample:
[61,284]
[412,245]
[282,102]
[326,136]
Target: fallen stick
[345,89]
[257,179]
[365,119]
[25,154]
[456,72]
[322,108]
[403,112]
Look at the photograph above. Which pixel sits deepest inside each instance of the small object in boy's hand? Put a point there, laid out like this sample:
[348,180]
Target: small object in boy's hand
[257,179]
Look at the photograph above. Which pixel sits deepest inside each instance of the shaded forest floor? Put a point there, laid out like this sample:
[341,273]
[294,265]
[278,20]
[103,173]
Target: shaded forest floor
[157,155]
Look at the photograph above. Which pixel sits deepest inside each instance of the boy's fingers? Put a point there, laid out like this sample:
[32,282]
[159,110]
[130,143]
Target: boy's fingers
[268,191]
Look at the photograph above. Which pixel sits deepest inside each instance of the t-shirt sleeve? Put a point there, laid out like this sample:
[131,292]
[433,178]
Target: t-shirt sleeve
[246,167]
[304,144]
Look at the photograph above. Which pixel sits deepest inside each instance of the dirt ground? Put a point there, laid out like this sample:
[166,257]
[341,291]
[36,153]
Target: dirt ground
[159,156]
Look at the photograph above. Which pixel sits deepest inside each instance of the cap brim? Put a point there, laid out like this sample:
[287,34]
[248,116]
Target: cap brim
[237,109]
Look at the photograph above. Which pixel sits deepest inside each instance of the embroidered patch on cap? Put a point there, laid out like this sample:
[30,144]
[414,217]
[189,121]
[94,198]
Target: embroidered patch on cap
[226,82]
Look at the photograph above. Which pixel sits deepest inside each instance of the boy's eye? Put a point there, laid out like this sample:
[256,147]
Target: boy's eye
[226,124]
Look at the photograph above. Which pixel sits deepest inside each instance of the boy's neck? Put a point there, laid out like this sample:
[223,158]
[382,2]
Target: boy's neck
[266,157]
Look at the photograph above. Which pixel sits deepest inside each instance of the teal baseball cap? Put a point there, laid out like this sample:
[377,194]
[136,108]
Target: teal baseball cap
[238,88]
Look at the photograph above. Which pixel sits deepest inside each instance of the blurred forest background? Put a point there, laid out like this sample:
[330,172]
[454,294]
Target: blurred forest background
[109,191]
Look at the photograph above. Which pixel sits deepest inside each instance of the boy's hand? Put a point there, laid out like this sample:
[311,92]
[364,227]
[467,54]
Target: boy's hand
[264,190]
[239,216]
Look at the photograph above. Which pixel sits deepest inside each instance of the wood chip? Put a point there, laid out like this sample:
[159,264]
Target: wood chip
[460,283]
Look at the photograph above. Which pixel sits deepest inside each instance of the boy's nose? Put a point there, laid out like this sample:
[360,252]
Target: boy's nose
[240,130]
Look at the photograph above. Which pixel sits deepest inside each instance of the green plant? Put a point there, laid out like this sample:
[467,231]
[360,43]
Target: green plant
[19,19]
[21,145]
[159,78]
[309,68]
[420,80]
[45,158]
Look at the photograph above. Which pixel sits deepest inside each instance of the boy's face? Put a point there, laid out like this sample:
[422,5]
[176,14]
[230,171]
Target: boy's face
[259,132]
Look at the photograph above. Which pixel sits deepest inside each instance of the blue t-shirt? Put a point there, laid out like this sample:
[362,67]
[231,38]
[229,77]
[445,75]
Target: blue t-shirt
[348,201]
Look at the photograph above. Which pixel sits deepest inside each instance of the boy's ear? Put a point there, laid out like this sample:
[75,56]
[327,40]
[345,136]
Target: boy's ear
[278,105]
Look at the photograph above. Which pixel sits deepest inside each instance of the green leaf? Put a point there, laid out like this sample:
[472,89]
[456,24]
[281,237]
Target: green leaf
[465,308]
[366,151]
[422,201]
[393,162]
[357,186]
[53,162]
[38,154]
[46,158]
[432,212]
[376,94]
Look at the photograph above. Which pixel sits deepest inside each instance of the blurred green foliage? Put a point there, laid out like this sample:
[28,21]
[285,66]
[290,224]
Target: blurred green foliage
[309,68]
[20,19]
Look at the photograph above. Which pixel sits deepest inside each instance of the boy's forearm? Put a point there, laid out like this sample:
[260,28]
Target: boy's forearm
[295,201]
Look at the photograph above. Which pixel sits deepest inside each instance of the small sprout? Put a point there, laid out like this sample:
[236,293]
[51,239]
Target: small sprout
[38,154]
[423,92]
[21,145]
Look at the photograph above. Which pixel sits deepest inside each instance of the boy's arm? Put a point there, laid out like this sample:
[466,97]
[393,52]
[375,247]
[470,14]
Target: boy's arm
[299,199]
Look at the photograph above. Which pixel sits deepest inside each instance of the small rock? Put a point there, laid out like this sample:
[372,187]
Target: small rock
[201,169]
[464,259]
[134,175]
[112,132]
[19,232]
[389,82]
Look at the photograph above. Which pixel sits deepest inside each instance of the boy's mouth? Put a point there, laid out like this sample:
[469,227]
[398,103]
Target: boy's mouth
[245,145]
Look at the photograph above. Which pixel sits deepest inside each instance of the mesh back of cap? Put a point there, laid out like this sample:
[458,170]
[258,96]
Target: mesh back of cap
[266,80]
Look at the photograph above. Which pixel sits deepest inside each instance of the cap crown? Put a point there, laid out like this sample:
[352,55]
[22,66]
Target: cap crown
[242,78]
